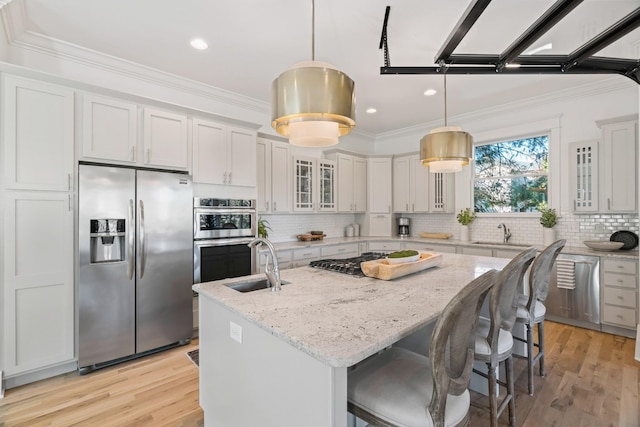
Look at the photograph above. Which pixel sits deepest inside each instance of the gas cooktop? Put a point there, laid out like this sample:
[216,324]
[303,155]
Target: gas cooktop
[349,266]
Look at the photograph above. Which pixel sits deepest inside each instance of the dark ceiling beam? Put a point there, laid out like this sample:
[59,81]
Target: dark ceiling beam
[604,39]
[461,29]
[543,24]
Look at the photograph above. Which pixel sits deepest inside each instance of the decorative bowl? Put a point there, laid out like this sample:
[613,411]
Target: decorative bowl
[316,233]
[603,245]
[403,259]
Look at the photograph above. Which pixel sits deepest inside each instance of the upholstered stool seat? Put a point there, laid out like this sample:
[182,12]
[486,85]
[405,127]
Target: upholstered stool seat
[505,340]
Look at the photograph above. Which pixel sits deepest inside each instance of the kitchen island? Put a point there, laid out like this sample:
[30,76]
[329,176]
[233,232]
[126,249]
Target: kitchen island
[281,358]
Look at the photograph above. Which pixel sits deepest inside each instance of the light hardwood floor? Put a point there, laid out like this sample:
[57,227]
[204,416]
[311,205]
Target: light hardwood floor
[592,380]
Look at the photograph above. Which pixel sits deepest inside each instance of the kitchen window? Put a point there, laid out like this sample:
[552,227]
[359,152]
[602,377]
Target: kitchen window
[511,176]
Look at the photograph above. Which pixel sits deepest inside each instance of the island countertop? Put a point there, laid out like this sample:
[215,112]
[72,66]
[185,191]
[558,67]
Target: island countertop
[340,319]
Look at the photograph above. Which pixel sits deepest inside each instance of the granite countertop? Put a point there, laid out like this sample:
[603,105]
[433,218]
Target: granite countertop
[340,319]
[575,250]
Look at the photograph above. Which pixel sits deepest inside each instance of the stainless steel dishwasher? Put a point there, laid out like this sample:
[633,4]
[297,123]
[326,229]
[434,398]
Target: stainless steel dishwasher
[579,306]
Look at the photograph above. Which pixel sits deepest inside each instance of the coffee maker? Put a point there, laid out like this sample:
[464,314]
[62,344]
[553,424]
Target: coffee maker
[403,227]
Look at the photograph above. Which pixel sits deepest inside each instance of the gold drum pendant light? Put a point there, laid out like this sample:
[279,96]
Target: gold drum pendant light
[313,103]
[446,149]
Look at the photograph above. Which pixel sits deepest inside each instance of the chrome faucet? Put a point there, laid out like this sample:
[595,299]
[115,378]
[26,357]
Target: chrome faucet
[507,232]
[271,270]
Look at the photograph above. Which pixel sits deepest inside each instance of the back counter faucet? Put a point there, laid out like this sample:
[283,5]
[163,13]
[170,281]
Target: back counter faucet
[271,270]
[507,232]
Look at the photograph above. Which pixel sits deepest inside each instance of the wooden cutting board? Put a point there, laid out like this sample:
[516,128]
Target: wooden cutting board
[382,269]
[435,235]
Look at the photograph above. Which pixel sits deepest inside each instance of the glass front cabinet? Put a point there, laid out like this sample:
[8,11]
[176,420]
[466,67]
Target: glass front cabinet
[584,175]
[314,186]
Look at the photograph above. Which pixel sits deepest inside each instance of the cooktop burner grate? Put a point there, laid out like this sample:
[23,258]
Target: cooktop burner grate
[349,266]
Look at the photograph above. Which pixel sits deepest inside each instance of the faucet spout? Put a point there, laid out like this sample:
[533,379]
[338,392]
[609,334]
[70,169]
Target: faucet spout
[507,232]
[272,271]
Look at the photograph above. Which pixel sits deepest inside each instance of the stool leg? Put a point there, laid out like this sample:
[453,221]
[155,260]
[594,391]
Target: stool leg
[530,356]
[510,390]
[541,347]
[493,399]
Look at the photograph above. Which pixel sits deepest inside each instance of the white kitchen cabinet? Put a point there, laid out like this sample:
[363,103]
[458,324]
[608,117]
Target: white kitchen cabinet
[583,167]
[347,250]
[223,155]
[427,246]
[165,142]
[619,289]
[302,257]
[109,129]
[384,246]
[416,190]
[273,176]
[314,185]
[284,258]
[377,225]
[473,250]
[38,320]
[618,167]
[38,123]
[379,181]
[351,182]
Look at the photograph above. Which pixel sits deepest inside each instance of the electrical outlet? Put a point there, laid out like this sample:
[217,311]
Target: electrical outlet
[235,332]
[599,228]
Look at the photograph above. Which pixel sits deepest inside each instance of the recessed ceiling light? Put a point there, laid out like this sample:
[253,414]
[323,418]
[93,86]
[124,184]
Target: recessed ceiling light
[371,110]
[430,92]
[199,44]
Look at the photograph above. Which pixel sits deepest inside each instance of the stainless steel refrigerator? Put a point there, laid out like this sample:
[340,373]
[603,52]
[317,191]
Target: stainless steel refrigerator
[135,263]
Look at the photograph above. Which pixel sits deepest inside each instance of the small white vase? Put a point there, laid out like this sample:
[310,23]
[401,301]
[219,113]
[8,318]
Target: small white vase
[548,236]
[464,233]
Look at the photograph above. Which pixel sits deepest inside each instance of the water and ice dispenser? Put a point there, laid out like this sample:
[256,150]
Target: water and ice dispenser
[107,240]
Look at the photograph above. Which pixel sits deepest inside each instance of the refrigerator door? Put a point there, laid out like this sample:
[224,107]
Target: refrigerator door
[106,283]
[164,313]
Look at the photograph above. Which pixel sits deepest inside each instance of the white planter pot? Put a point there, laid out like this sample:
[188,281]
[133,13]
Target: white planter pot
[548,236]
[464,233]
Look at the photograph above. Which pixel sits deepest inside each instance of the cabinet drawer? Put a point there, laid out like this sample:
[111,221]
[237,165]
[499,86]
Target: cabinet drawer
[306,254]
[341,250]
[283,256]
[619,266]
[622,280]
[449,249]
[619,316]
[466,250]
[623,297]
[384,246]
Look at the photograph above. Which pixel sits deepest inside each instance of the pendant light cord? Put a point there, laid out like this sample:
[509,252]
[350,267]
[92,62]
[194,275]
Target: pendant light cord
[313,30]
[445,99]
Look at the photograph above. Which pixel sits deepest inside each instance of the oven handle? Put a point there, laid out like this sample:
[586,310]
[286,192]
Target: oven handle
[210,211]
[222,242]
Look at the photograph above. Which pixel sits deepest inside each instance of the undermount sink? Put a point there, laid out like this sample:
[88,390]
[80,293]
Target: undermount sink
[252,285]
[517,245]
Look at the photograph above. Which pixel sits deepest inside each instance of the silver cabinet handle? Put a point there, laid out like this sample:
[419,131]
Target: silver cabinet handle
[274,207]
[148,155]
[266,206]
[413,207]
[130,237]
[69,200]
[407,207]
[143,241]
[389,209]
[574,204]
[229,177]
[224,179]
[133,154]
[69,181]
[608,204]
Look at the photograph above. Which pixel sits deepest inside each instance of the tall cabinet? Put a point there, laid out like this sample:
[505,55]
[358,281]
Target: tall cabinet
[38,185]
[273,176]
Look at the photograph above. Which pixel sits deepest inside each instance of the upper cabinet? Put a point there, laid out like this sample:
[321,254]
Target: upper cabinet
[379,178]
[352,182]
[619,167]
[314,185]
[165,139]
[38,137]
[109,129]
[416,190]
[274,176]
[583,168]
[223,154]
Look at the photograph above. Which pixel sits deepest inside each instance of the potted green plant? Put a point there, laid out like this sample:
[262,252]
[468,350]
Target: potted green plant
[263,228]
[548,219]
[465,217]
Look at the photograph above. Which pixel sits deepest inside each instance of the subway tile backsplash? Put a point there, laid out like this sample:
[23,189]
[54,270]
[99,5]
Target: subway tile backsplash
[285,228]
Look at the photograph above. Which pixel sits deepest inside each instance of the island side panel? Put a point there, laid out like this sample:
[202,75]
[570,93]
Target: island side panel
[263,380]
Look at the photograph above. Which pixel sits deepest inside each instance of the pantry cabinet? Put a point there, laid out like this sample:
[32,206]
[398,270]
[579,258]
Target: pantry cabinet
[314,185]
[273,176]
[351,182]
[165,140]
[37,133]
[223,155]
[109,129]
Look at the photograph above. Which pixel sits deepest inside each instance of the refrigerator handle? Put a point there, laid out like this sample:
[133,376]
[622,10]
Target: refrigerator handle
[143,240]
[131,236]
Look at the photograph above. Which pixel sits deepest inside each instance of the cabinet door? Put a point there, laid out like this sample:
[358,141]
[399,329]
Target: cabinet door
[109,129]
[379,181]
[345,183]
[38,135]
[326,186]
[359,184]
[303,184]
[39,309]
[242,157]
[584,175]
[440,192]
[280,178]
[401,190]
[209,152]
[419,185]
[619,172]
[165,139]
[263,175]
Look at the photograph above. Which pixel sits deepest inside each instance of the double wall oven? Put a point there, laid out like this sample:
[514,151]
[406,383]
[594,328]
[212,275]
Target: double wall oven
[222,228]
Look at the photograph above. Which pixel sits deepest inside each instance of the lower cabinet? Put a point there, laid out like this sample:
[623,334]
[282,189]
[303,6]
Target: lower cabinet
[434,247]
[385,246]
[619,298]
[284,260]
[37,251]
[302,257]
[339,251]
[468,250]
